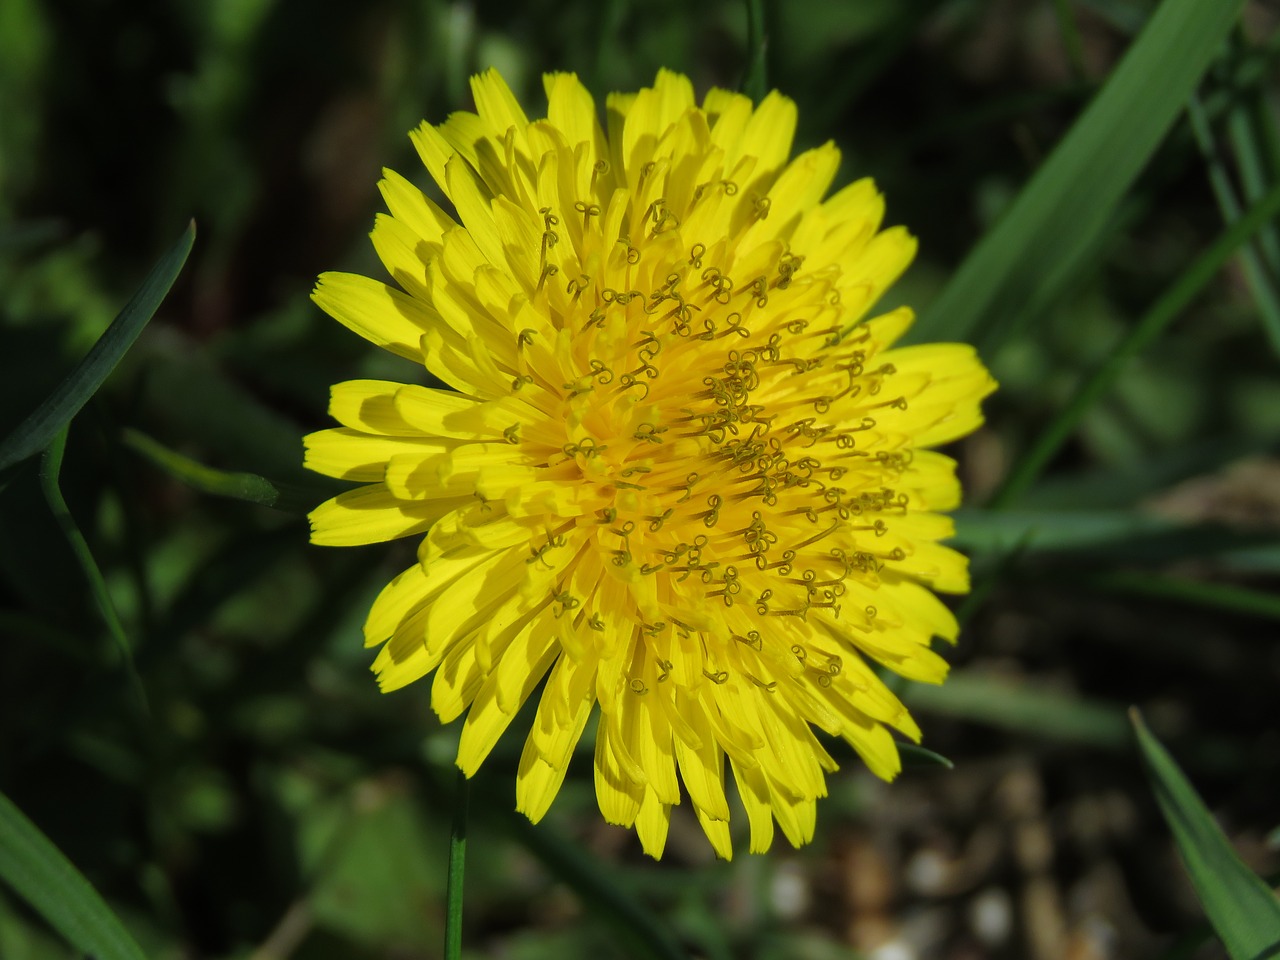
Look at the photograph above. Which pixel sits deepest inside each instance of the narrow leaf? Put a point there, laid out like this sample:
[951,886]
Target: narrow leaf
[38,430]
[1256,274]
[1031,254]
[39,873]
[1176,299]
[1218,596]
[917,756]
[755,82]
[1025,709]
[50,469]
[1031,531]
[1243,910]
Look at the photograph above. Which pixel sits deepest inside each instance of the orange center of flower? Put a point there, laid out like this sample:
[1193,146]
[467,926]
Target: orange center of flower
[728,429]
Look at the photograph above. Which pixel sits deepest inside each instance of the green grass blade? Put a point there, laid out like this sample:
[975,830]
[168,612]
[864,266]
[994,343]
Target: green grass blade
[1243,910]
[1024,709]
[1166,309]
[1033,531]
[39,873]
[1257,276]
[38,430]
[1217,596]
[755,81]
[1248,129]
[917,756]
[1071,43]
[1251,127]
[1035,710]
[50,470]
[1028,257]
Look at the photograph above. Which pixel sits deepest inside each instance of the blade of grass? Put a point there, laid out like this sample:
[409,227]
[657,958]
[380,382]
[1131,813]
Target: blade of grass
[1084,539]
[1243,910]
[1027,259]
[37,431]
[1175,300]
[1219,596]
[1023,708]
[49,472]
[1026,531]
[755,82]
[1070,38]
[1032,710]
[917,756]
[1244,126]
[1260,281]
[1251,127]
[39,873]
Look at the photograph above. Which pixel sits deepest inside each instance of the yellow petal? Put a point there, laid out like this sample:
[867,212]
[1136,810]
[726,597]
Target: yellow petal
[496,104]
[381,314]
[369,406]
[562,716]
[652,821]
[354,455]
[371,514]
[522,667]
[414,208]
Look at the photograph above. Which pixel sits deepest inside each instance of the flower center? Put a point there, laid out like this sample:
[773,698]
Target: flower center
[729,429]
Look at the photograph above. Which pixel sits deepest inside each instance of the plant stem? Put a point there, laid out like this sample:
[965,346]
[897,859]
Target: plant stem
[457,860]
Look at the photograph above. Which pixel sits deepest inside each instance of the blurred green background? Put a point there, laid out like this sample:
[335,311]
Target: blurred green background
[268,802]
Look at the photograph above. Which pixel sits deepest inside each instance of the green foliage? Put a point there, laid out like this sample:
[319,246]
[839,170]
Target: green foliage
[38,430]
[34,867]
[1114,254]
[1028,259]
[1244,911]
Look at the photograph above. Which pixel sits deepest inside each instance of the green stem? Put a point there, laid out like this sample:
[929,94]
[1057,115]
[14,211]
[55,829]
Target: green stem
[50,469]
[755,83]
[1169,306]
[457,860]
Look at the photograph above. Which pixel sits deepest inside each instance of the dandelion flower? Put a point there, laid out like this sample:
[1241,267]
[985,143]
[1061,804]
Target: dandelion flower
[676,473]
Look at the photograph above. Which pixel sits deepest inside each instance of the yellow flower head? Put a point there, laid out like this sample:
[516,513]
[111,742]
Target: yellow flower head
[677,473]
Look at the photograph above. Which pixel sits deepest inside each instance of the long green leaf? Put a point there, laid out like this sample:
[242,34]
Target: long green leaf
[1030,710]
[755,82]
[1256,274]
[41,875]
[50,469]
[1243,910]
[38,430]
[1030,531]
[1162,313]
[1218,596]
[1030,255]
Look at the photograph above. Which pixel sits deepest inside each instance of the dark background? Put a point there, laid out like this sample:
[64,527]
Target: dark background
[273,804]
